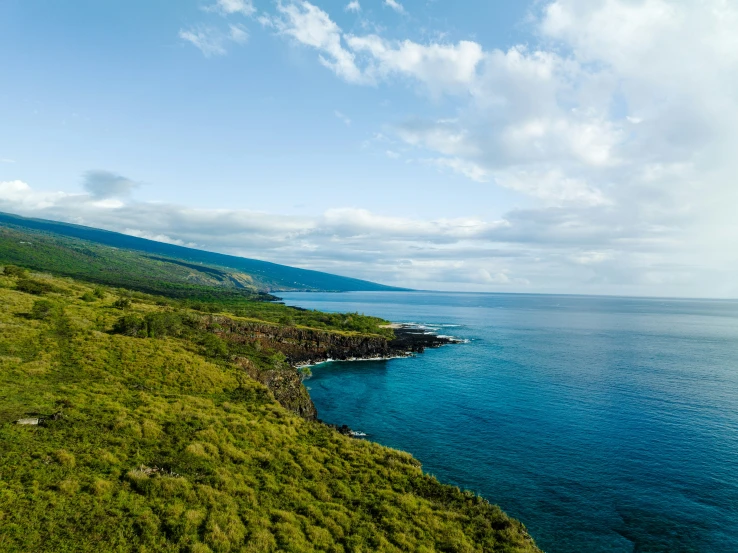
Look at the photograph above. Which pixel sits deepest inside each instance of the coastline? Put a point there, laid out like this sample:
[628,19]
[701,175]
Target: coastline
[410,339]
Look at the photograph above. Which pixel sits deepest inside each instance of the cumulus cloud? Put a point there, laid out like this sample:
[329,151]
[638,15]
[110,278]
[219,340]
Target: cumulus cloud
[309,25]
[440,67]
[623,111]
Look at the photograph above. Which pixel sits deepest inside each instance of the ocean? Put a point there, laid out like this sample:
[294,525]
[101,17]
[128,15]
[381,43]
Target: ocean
[604,424]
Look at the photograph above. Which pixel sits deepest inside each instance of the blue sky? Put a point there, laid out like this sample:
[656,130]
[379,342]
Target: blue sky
[548,146]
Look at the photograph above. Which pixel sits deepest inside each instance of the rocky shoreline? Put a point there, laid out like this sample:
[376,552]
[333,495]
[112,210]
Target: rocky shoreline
[303,347]
[409,340]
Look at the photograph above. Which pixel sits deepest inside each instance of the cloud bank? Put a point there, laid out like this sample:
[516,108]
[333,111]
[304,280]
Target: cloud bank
[548,249]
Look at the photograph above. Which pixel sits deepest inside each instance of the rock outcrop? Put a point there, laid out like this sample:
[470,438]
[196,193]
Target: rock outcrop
[286,385]
[304,346]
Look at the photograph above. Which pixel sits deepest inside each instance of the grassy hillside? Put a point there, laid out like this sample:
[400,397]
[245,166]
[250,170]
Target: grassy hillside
[227,270]
[154,438]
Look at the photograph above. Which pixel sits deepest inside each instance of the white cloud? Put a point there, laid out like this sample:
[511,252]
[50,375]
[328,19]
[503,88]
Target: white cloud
[467,168]
[342,117]
[309,25]
[587,248]
[441,67]
[618,129]
[213,41]
[238,34]
[229,7]
[6,160]
[395,6]
[353,6]
[210,41]
[552,187]
[158,237]
[17,195]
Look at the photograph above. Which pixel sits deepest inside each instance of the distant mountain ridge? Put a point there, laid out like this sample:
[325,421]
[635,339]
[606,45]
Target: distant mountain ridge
[249,273]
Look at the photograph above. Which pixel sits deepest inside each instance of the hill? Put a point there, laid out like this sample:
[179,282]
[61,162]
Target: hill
[134,422]
[223,270]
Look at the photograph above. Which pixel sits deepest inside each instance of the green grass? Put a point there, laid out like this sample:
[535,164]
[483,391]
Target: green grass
[205,288]
[159,442]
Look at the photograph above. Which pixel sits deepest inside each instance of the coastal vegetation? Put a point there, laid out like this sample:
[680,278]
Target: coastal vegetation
[139,422]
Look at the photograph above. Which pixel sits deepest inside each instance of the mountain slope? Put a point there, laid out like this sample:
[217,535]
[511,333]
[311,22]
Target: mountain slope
[145,430]
[259,275]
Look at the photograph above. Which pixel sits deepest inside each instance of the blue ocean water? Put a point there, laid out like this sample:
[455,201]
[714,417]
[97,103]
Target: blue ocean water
[604,424]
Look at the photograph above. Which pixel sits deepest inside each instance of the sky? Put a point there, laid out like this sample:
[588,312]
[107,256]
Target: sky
[546,146]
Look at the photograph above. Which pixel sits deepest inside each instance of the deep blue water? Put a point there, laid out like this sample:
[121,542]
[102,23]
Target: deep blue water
[604,424]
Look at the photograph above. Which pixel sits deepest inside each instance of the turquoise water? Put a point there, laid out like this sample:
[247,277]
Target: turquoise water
[604,424]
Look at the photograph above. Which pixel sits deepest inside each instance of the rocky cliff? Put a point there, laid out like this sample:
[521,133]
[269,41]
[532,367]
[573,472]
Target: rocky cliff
[304,346]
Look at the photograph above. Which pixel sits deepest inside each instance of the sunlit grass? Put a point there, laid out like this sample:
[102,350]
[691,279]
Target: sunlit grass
[160,444]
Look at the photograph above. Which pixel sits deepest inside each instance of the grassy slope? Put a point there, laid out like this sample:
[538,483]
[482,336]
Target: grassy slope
[262,275]
[165,446]
[206,289]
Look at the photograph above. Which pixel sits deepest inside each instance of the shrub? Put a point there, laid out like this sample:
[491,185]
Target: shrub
[14,271]
[214,346]
[122,303]
[87,296]
[154,325]
[98,293]
[278,360]
[159,325]
[41,309]
[130,325]
[30,286]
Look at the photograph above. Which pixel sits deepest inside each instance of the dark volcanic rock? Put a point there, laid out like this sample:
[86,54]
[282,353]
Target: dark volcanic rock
[411,338]
[286,385]
[303,346]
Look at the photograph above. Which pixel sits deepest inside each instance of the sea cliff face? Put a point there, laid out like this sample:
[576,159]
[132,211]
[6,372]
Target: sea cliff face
[286,385]
[302,346]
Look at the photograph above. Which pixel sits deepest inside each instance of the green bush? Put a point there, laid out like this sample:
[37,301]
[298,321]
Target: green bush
[130,325]
[159,325]
[30,286]
[42,309]
[214,346]
[88,297]
[14,271]
[122,303]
